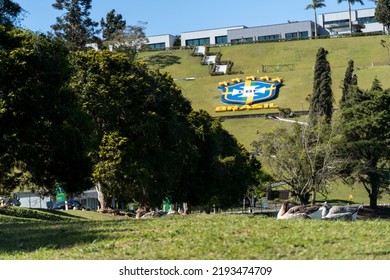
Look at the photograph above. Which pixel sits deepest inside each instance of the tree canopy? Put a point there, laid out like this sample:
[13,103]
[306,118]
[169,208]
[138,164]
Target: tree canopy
[364,125]
[321,100]
[382,13]
[112,25]
[9,12]
[43,131]
[75,27]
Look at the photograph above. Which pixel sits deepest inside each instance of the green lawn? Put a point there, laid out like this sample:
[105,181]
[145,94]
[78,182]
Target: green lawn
[204,237]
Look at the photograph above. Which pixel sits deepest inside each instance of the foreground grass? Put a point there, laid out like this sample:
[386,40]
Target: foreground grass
[206,237]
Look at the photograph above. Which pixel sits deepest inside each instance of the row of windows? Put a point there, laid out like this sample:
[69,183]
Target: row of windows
[206,41]
[198,42]
[295,35]
[288,36]
[157,46]
[362,20]
[338,22]
[367,20]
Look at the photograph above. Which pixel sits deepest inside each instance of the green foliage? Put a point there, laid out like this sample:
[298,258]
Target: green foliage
[303,157]
[321,100]
[75,27]
[113,24]
[9,12]
[223,171]
[364,124]
[350,80]
[43,130]
[382,13]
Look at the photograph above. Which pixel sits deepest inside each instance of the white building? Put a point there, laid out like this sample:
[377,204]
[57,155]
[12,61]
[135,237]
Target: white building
[161,41]
[362,21]
[283,31]
[217,36]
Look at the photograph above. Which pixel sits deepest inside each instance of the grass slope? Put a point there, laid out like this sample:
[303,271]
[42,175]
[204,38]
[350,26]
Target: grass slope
[371,60]
[205,237]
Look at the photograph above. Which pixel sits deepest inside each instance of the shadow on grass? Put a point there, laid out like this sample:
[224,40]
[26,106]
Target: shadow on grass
[28,237]
[163,60]
[60,213]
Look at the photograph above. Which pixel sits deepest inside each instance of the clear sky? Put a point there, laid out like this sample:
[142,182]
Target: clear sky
[176,16]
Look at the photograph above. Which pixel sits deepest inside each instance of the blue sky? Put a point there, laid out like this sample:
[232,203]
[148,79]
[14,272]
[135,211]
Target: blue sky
[176,16]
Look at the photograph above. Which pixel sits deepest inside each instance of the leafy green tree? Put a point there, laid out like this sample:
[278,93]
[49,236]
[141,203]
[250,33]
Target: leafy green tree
[382,13]
[304,157]
[75,27]
[112,25]
[223,171]
[43,131]
[321,101]
[9,12]
[350,2]
[141,124]
[349,82]
[316,4]
[364,125]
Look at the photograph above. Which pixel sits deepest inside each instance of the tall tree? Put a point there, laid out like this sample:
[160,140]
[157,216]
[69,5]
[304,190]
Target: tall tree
[349,82]
[43,132]
[75,27]
[321,100]
[382,13]
[365,127]
[350,2]
[316,4]
[140,118]
[223,170]
[112,25]
[9,12]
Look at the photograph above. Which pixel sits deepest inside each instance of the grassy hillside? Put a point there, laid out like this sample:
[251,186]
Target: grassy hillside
[369,56]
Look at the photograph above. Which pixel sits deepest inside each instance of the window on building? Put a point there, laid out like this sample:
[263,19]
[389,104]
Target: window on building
[242,40]
[367,20]
[157,46]
[221,39]
[337,22]
[274,37]
[291,36]
[198,42]
[304,34]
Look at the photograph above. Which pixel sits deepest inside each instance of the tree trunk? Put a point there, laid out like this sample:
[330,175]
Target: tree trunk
[101,198]
[315,24]
[350,17]
[186,208]
[375,185]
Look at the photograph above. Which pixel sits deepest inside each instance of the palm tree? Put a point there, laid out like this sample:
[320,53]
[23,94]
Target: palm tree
[315,5]
[350,2]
